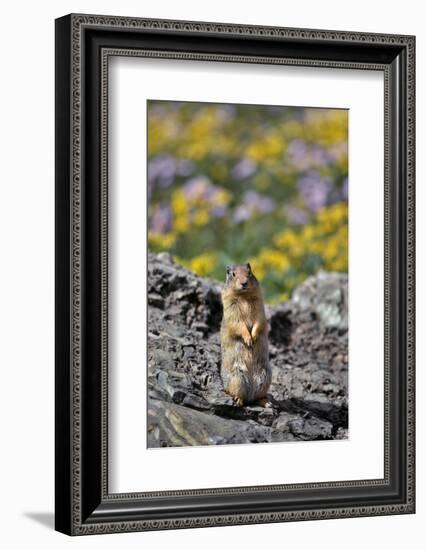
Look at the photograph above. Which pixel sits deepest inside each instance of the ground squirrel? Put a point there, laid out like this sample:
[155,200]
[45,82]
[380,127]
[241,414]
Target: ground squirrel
[245,370]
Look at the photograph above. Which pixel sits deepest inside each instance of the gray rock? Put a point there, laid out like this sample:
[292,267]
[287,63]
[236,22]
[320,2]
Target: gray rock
[308,354]
[311,429]
[326,295]
[175,425]
[341,433]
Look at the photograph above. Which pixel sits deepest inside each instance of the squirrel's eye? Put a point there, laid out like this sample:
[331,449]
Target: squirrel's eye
[233,273]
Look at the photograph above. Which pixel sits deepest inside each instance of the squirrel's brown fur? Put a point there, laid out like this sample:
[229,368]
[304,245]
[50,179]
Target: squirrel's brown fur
[245,371]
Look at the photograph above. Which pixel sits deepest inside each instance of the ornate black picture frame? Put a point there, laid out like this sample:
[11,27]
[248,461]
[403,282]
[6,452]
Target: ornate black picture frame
[84,44]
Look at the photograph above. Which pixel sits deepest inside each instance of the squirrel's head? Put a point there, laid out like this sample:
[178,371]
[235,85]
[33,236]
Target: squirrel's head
[241,278]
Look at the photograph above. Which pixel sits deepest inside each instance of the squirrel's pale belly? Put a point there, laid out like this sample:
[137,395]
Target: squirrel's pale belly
[246,372]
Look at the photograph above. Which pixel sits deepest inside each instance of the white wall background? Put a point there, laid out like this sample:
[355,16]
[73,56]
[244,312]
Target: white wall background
[26,289]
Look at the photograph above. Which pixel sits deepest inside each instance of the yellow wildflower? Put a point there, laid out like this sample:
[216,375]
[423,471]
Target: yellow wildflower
[179,203]
[181,224]
[161,241]
[204,264]
[287,239]
[201,217]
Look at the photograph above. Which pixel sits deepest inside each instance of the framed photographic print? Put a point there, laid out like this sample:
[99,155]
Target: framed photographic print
[234,274]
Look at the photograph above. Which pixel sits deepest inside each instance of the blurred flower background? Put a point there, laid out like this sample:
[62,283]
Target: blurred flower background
[236,183]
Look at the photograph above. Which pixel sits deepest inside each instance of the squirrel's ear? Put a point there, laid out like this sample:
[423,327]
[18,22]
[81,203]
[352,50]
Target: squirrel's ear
[228,269]
[248,266]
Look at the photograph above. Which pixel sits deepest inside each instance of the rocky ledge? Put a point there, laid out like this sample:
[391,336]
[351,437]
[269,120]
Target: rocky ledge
[308,342]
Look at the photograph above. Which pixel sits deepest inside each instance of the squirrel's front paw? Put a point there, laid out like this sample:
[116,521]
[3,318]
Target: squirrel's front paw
[248,340]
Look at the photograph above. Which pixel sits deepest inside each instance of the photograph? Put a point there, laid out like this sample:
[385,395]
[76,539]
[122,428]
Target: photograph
[247,280]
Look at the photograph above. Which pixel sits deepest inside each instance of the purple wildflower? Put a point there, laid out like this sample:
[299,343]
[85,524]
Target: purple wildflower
[298,151]
[184,167]
[297,216]
[320,156]
[218,211]
[161,220]
[198,187]
[345,189]
[315,190]
[244,169]
[164,168]
[201,188]
[260,202]
[304,156]
[253,203]
[242,214]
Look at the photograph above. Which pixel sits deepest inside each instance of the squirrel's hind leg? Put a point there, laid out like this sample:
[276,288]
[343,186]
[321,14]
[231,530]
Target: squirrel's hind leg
[238,388]
[263,402]
[239,402]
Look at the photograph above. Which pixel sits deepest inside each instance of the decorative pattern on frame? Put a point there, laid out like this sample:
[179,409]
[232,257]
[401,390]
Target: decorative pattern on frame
[78,23]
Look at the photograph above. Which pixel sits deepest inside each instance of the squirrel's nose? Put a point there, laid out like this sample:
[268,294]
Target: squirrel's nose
[244,285]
